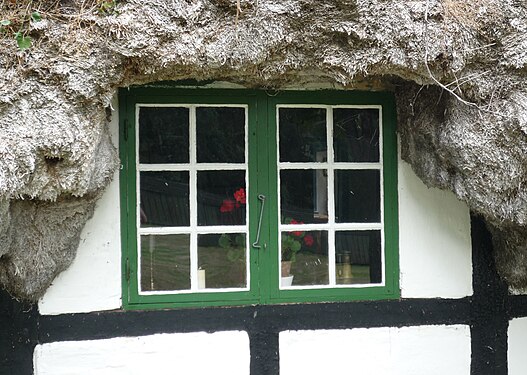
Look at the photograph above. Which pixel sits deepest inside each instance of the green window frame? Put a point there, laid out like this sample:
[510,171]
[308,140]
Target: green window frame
[262,178]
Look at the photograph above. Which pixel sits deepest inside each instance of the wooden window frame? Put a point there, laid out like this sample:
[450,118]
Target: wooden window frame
[262,155]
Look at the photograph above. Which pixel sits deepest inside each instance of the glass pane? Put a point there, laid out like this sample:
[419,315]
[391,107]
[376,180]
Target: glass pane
[220,134]
[165,262]
[223,258]
[302,134]
[163,135]
[303,195]
[356,135]
[164,199]
[358,256]
[357,196]
[221,198]
[304,258]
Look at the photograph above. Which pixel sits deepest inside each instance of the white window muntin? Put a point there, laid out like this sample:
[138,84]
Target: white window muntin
[331,227]
[193,229]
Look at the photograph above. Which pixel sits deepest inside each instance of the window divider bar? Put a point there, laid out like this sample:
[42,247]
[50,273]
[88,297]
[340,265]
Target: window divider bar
[193,194]
[200,230]
[278,191]
[196,166]
[364,165]
[137,211]
[357,226]
[328,226]
[325,165]
[331,198]
[381,181]
[220,166]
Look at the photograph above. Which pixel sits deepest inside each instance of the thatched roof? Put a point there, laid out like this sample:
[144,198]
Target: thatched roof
[458,69]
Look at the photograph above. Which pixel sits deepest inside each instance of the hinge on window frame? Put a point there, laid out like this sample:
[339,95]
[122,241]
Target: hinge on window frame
[125,130]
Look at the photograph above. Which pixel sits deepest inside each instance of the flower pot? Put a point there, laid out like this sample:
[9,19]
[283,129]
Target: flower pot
[286,268]
[286,281]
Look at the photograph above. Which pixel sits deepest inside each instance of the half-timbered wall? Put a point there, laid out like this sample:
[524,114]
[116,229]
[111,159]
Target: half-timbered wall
[455,316]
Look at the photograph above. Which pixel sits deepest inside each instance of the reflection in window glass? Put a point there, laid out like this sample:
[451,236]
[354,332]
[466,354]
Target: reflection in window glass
[220,134]
[357,196]
[222,257]
[304,257]
[164,199]
[165,262]
[302,134]
[163,135]
[221,198]
[356,135]
[358,257]
[303,195]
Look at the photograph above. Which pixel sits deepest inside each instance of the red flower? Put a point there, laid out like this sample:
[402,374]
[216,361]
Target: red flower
[239,195]
[227,205]
[297,233]
[308,240]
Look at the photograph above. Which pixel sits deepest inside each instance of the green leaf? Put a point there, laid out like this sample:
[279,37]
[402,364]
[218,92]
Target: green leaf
[36,17]
[5,22]
[239,240]
[108,7]
[224,241]
[24,42]
[295,246]
[232,256]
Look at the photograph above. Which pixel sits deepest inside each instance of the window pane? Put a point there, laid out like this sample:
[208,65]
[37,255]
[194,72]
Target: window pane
[164,199]
[357,196]
[356,135]
[302,134]
[221,198]
[165,262]
[358,256]
[220,134]
[223,258]
[303,195]
[163,135]
[305,257]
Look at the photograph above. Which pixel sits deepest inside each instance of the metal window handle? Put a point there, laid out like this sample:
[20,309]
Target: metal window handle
[256,244]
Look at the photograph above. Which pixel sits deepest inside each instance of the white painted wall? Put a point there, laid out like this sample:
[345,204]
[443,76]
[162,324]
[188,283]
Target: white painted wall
[430,350]
[517,344]
[93,281]
[183,353]
[435,251]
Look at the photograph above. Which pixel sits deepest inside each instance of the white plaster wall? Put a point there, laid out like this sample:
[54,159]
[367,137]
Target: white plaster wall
[430,350]
[93,281]
[435,251]
[517,359]
[183,353]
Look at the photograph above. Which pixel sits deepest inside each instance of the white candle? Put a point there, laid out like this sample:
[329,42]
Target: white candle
[201,279]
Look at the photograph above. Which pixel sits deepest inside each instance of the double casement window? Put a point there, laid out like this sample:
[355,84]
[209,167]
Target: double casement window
[241,197]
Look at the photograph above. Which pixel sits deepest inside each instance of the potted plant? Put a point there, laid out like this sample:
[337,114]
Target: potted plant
[292,243]
[233,210]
